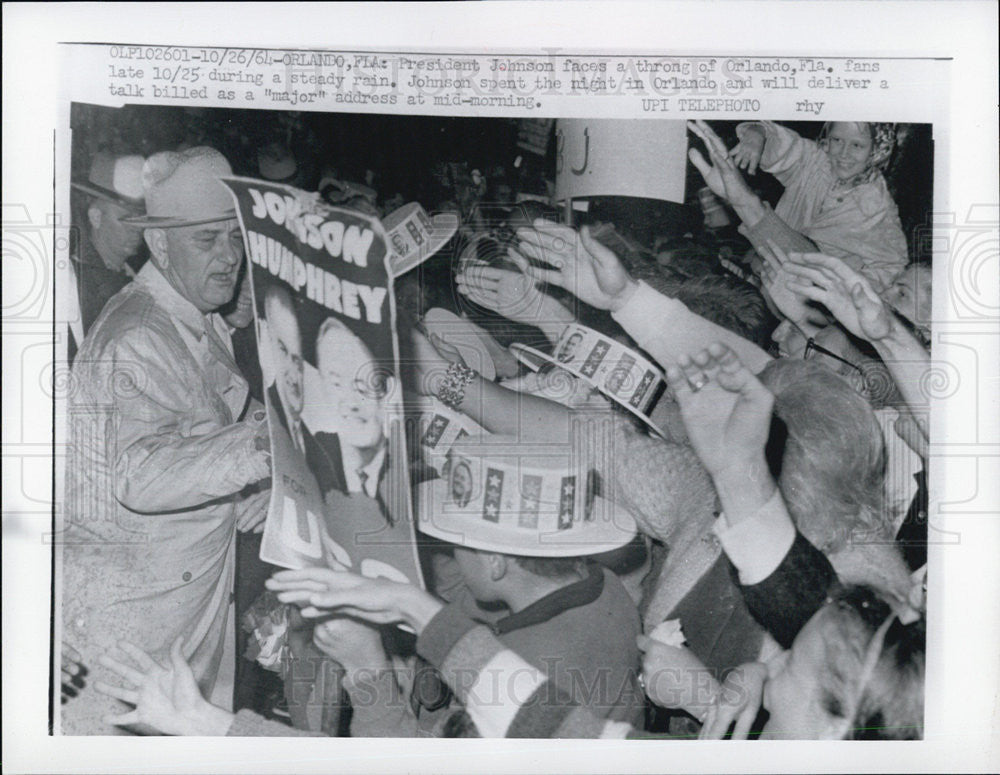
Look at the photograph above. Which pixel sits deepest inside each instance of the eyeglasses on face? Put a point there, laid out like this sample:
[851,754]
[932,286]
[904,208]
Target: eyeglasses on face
[812,348]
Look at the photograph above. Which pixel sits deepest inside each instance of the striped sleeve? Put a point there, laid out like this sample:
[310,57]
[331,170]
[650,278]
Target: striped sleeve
[504,695]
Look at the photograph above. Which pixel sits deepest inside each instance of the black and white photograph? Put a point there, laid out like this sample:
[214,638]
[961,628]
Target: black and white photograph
[778,292]
[448,400]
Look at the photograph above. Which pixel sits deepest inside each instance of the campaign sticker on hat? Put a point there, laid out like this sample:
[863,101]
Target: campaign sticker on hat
[439,428]
[414,236]
[619,372]
[464,337]
[535,500]
[556,384]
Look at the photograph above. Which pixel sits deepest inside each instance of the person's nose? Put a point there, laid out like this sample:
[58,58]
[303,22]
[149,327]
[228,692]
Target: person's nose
[230,254]
[780,334]
[351,403]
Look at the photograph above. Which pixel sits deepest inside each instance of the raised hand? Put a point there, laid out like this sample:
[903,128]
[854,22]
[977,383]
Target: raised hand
[322,591]
[581,264]
[514,295]
[749,150]
[737,704]
[725,408]
[165,698]
[845,292]
[776,282]
[721,175]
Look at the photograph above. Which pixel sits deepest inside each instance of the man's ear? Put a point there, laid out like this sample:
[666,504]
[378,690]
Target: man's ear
[497,564]
[94,214]
[156,239]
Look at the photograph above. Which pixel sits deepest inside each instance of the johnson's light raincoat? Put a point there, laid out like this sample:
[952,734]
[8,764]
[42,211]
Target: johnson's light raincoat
[154,463]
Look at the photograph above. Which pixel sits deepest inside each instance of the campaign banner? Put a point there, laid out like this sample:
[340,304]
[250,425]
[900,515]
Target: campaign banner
[621,157]
[325,320]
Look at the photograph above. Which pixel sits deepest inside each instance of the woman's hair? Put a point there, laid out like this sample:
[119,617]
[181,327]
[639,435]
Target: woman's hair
[827,452]
[874,677]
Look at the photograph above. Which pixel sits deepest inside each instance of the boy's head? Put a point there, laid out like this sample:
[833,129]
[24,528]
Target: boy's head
[495,577]
[523,519]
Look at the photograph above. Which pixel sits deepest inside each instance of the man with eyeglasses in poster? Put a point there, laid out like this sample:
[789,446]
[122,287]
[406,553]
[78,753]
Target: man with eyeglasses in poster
[355,390]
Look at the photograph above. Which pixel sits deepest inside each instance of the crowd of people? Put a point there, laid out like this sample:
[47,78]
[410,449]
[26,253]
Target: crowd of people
[736,547]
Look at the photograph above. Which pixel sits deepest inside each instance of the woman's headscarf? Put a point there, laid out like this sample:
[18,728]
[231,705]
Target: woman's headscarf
[883,143]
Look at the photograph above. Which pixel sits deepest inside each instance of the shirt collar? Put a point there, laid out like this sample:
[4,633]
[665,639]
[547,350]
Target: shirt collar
[166,296]
[577,594]
[373,469]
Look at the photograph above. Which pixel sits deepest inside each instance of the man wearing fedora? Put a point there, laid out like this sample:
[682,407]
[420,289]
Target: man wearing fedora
[111,192]
[161,461]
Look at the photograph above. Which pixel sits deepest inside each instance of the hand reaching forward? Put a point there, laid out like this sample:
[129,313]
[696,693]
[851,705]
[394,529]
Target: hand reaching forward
[721,175]
[843,291]
[511,294]
[355,645]
[789,301]
[582,265]
[737,704]
[675,678]
[166,698]
[432,357]
[251,511]
[322,591]
[725,408]
[73,673]
[749,150]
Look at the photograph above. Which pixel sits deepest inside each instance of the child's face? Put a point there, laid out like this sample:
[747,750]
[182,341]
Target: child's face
[794,688]
[849,146]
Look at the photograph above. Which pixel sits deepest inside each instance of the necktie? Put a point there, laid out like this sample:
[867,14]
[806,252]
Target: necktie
[363,478]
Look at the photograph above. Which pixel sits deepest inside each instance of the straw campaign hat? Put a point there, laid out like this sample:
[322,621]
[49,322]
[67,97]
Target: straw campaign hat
[500,495]
[183,188]
[115,179]
[414,236]
[620,373]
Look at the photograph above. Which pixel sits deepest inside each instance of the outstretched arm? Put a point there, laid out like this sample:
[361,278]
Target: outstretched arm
[664,327]
[162,442]
[167,698]
[722,176]
[853,301]
[496,408]
[727,413]
[514,295]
